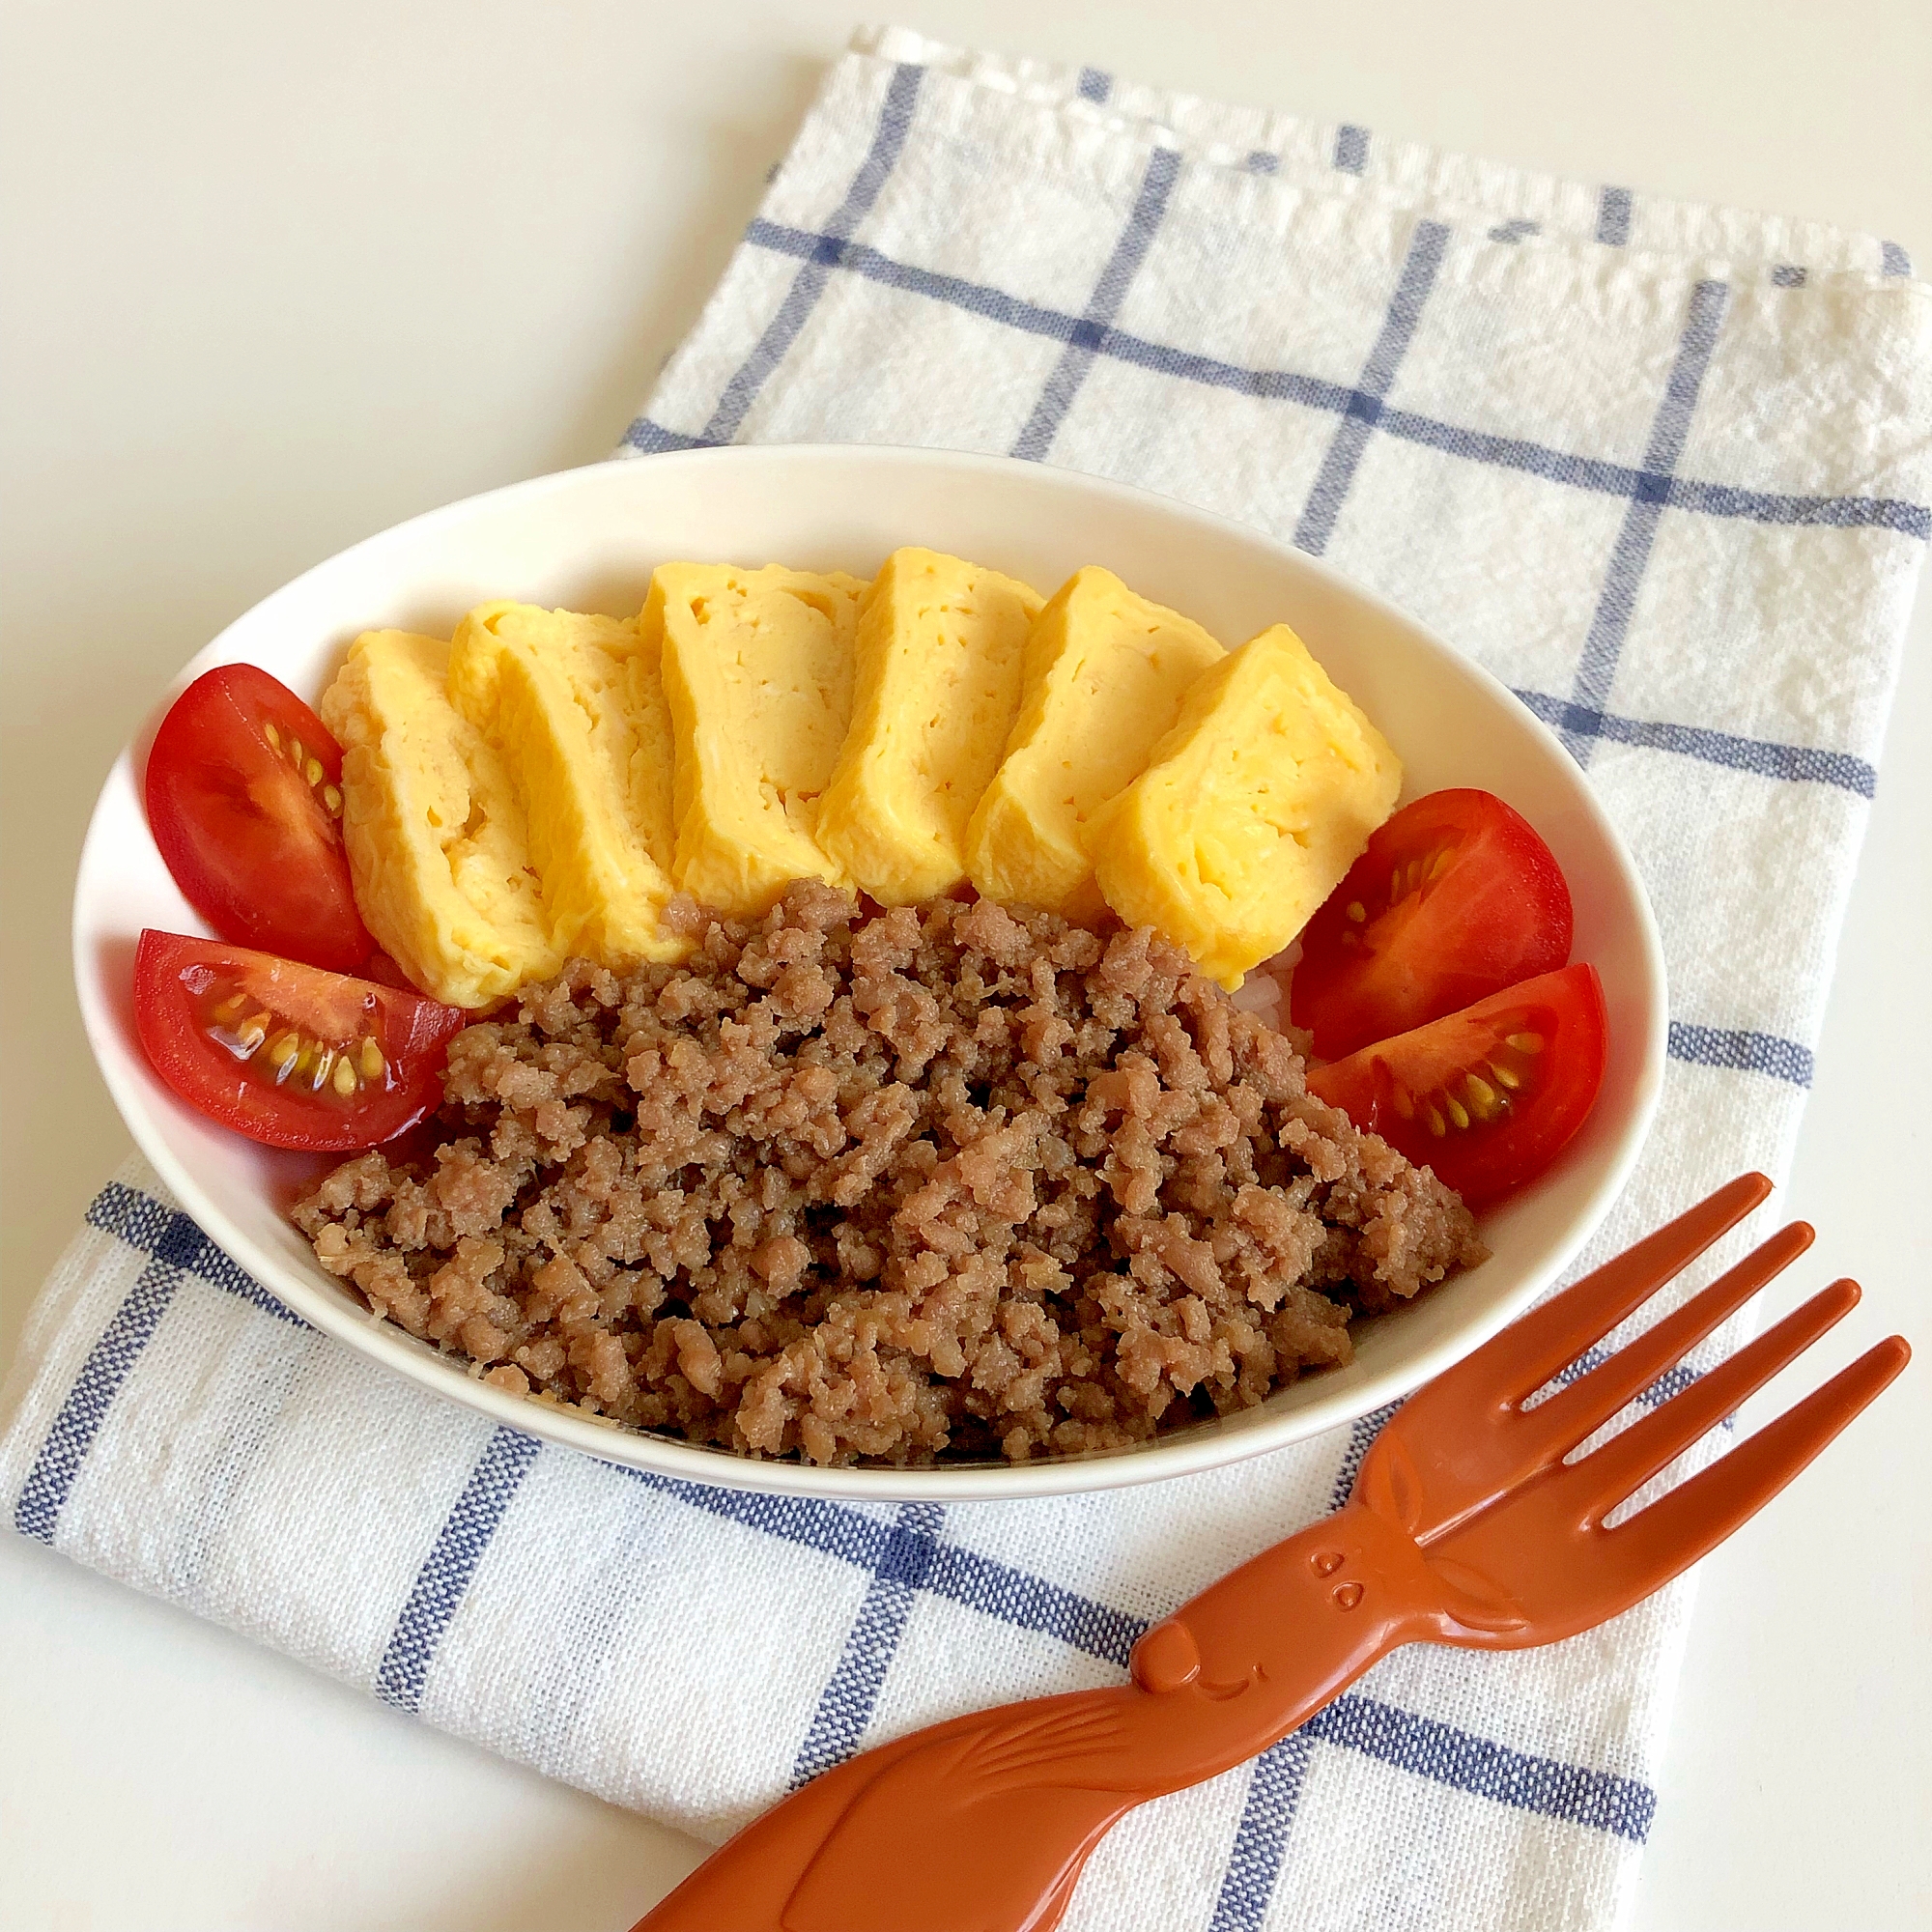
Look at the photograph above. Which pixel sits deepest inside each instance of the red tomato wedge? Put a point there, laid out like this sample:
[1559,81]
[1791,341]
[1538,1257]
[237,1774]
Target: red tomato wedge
[1487,1097]
[244,799]
[287,1054]
[1454,898]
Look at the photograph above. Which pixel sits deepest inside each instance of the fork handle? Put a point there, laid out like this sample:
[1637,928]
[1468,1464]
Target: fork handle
[984,1823]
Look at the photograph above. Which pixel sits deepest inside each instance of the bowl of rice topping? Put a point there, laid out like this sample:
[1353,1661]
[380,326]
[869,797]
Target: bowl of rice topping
[954,1198]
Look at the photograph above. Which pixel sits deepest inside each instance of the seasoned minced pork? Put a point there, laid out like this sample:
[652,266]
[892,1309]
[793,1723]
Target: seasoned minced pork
[950,1181]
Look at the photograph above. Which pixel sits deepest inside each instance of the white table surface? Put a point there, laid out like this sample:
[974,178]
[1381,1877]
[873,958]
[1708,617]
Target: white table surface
[279,276]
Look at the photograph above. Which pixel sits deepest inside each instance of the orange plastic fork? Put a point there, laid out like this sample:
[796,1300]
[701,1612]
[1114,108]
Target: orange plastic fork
[1466,1526]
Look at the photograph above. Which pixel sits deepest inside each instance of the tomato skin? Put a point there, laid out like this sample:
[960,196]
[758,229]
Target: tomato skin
[247,835]
[1534,1105]
[1489,908]
[182,984]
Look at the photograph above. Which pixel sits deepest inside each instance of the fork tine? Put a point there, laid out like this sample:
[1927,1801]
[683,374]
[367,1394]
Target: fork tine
[1671,1535]
[1612,1473]
[1519,1360]
[1588,1403]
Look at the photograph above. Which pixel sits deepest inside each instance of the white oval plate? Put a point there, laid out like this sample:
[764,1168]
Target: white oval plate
[588,540]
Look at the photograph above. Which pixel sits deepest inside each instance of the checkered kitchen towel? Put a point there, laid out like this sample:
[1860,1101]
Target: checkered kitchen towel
[1662,467]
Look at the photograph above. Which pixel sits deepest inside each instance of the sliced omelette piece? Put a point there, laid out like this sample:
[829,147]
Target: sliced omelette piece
[757,673]
[439,847]
[941,651]
[1105,673]
[1250,810]
[574,705]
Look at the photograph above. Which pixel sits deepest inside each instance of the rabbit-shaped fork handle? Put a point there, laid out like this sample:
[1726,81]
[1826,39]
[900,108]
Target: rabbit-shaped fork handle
[1466,1526]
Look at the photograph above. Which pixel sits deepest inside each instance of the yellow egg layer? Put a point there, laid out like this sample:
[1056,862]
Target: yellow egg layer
[757,670]
[438,846]
[1250,811]
[941,651]
[1105,673]
[574,707]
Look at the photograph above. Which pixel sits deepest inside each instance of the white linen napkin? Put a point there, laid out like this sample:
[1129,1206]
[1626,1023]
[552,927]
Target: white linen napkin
[1662,467]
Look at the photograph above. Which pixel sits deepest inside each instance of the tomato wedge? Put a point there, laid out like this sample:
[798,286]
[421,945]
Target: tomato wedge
[244,799]
[1454,898]
[1487,1097]
[288,1053]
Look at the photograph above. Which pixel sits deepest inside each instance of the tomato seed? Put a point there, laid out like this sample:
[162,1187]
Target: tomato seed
[285,1055]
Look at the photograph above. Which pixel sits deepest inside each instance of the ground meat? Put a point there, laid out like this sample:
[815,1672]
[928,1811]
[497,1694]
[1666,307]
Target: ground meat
[950,1181]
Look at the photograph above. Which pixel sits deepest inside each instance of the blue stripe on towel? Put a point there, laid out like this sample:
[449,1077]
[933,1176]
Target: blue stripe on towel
[444,1579]
[143,1223]
[870,265]
[1425,1747]
[44,1494]
[1260,1837]
[1676,492]
[949,1569]
[1630,553]
[846,1705]
[1747,1052]
[1614,217]
[1803,764]
[651,438]
[1764,506]
[1429,1749]
[1671,1382]
[176,1248]
[848,1534]
[1037,434]
[1365,404]
[1360,1437]
[1028,1602]
[782,331]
